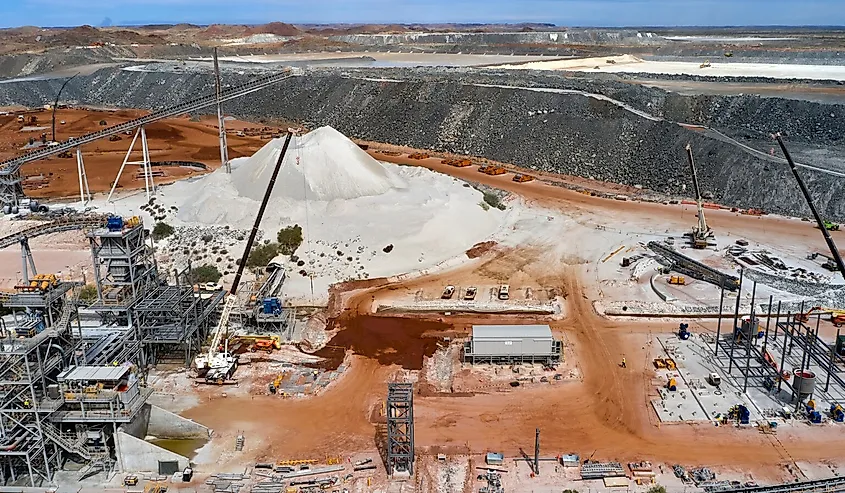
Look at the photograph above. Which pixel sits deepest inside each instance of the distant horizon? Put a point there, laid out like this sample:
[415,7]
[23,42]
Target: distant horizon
[581,13]
[423,24]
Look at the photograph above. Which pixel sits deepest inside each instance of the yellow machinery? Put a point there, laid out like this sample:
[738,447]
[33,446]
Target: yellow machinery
[296,462]
[670,364]
[672,384]
[131,480]
[39,283]
[659,363]
[155,487]
[520,178]
[258,342]
[419,155]
[678,280]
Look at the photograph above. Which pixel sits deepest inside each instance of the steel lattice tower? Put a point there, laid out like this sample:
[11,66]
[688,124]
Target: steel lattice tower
[400,428]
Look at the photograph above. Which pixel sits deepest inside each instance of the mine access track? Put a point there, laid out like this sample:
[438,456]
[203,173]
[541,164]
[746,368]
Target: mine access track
[12,166]
[66,224]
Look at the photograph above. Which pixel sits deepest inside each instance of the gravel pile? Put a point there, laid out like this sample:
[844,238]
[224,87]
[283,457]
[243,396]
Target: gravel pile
[219,246]
[445,110]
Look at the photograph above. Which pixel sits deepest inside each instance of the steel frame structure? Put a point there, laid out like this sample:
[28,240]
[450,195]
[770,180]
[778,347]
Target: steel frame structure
[124,267]
[30,445]
[400,428]
[174,316]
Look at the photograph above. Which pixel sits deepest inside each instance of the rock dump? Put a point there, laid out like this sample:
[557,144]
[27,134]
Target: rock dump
[453,110]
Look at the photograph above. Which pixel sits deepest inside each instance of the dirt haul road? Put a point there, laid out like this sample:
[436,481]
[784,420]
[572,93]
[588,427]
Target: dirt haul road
[636,215]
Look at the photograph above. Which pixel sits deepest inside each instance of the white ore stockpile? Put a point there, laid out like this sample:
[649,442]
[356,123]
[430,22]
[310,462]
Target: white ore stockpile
[350,207]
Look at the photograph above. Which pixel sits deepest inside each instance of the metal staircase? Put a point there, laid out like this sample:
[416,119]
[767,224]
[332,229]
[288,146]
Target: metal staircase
[68,441]
[68,310]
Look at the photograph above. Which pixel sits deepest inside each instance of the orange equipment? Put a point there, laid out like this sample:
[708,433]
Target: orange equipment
[458,163]
[492,170]
[522,178]
[419,155]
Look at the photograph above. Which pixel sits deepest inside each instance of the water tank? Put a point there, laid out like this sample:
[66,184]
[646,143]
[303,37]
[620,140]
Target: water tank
[7,209]
[14,209]
[804,383]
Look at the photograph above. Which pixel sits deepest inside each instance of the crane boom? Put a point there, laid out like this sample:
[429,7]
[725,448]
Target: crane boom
[213,359]
[827,238]
[702,223]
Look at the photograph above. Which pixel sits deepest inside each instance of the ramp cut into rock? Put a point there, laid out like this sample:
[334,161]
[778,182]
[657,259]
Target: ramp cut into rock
[321,165]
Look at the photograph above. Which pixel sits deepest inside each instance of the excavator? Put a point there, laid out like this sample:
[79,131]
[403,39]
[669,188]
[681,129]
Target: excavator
[701,235]
[218,364]
[836,316]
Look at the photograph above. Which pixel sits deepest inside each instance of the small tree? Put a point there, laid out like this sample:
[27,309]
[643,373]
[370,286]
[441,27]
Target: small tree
[261,255]
[205,273]
[162,230]
[88,293]
[289,239]
[657,489]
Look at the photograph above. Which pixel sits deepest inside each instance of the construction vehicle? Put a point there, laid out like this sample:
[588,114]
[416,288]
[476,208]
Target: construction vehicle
[458,163]
[837,316]
[504,292]
[520,178]
[65,155]
[701,235]
[831,245]
[448,291]
[672,384]
[753,212]
[130,480]
[683,332]
[837,413]
[492,170]
[830,226]
[115,138]
[469,294]
[418,155]
[739,413]
[678,280]
[218,364]
[714,379]
[728,54]
[670,363]
[706,64]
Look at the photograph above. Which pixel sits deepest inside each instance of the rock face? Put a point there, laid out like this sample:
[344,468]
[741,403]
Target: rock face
[632,136]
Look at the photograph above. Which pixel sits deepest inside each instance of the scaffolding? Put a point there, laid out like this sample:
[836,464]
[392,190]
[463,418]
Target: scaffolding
[176,317]
[400,428]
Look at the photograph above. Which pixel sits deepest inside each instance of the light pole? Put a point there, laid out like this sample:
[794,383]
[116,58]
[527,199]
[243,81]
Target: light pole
[56,104]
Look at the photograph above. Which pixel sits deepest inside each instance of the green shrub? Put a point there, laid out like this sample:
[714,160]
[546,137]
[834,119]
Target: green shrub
[205,273]
[657,489]
[88,293]
[289,239]
[261,255]
[493,200]
[162,230]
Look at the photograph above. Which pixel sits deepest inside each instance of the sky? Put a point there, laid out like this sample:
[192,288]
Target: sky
[608,13]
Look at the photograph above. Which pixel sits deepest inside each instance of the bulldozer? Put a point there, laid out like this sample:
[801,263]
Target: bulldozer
[520,178]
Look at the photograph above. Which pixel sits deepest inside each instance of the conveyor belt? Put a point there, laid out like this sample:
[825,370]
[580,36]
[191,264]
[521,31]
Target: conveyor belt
[67,224]
[817,486]
[12,166]
[694,268]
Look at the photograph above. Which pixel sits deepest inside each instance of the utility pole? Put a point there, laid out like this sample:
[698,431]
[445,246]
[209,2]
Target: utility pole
[224,150]
[537,452]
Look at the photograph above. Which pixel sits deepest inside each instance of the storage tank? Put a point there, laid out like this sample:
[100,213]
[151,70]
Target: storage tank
[804,383]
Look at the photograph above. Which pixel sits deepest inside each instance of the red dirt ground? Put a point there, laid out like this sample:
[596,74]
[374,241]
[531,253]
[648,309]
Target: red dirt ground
[174,139]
